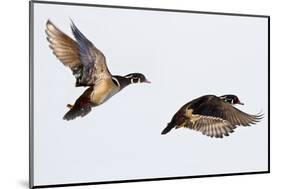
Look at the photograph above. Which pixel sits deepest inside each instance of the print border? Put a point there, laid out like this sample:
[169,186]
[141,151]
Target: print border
[31,93]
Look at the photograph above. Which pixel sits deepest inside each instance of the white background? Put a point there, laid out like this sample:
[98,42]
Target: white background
[184,56]
[14,80]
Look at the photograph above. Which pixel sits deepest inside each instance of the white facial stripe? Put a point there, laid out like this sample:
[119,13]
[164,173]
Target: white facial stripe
[116,81]
[139,80]
[129,76]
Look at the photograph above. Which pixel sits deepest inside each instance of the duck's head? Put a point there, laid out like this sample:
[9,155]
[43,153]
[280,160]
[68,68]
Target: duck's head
[137,78]
[232,99]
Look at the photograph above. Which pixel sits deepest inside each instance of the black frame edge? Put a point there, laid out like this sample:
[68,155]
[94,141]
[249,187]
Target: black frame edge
[151,179]
[31,74]
[268,22]
[150,9]
[31,96]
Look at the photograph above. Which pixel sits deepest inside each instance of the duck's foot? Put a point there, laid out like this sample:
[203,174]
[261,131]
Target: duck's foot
[69,106]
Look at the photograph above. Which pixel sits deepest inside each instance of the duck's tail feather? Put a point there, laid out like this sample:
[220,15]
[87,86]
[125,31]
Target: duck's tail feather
[167,129]
[77,110]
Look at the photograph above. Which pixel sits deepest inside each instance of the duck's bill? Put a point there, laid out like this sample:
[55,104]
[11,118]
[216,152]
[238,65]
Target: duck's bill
[146,81]
[241,103]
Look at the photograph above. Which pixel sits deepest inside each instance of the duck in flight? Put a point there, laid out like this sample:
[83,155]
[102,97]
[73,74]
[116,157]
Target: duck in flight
[88,65]
[212,116]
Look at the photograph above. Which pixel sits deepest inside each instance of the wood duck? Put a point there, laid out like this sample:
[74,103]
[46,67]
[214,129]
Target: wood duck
[88,65]
[211,115]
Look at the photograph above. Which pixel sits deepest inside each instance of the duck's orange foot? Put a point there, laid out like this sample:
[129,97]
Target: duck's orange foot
[69,106]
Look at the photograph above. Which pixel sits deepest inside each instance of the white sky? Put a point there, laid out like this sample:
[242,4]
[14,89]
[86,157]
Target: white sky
[185,56]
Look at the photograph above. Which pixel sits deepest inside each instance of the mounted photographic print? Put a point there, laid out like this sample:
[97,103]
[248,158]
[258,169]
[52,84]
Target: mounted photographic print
[124,94]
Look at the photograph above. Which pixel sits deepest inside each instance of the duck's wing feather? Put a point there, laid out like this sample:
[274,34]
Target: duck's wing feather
[82,57]
[93,60]
[210,126]
[63,47]
[217,108]
[81,107]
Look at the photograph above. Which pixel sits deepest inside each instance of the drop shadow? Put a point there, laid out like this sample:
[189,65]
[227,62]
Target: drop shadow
[24,183]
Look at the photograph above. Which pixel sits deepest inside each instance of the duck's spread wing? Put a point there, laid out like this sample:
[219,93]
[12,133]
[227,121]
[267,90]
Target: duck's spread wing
[81,107]
[210,126]
[93,60]
[218,108]
[63,47]
[237,117]
[82,57]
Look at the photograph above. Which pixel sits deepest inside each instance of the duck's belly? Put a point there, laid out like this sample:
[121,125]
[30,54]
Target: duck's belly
[103,91]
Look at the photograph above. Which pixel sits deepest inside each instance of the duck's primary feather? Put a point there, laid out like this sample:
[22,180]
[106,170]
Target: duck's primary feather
[63,47]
